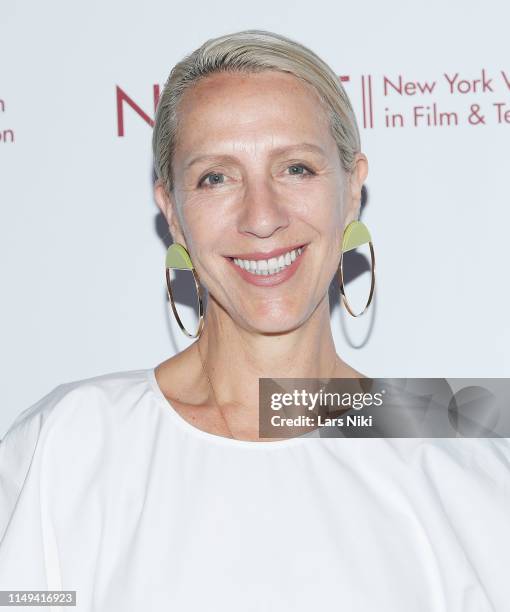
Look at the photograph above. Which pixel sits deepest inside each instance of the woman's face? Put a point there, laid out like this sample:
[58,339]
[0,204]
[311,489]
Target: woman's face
[256,169]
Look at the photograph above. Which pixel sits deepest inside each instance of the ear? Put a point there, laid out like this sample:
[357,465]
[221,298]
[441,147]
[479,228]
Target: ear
[168,206]
[356,179]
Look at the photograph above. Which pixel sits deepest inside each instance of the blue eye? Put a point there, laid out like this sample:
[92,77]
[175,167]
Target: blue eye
[217,178]
[300,167]
[214,175]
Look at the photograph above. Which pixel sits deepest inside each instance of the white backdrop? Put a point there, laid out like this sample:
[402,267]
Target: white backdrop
[81,258]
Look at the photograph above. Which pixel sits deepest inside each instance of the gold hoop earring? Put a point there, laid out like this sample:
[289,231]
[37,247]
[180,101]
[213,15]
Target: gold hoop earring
[177,258]
[355,235]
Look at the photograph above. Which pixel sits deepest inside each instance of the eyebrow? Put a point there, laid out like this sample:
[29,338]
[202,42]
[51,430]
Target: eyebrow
[302,146]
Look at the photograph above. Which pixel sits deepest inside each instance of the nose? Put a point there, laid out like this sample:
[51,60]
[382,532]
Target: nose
[262,212]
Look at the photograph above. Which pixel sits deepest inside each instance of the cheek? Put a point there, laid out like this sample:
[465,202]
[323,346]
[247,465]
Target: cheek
[206,238]
[201,224]
[326,217]
[323,211]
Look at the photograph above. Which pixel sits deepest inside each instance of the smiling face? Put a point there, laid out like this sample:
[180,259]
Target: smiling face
[255,170]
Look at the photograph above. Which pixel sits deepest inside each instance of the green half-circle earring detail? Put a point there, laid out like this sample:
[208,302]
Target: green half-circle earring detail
[356,234]
[177,258]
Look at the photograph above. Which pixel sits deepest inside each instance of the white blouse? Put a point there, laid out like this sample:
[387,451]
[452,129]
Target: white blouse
[105,489]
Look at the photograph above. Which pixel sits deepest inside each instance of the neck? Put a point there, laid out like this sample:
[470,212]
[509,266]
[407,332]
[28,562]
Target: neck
[235,358]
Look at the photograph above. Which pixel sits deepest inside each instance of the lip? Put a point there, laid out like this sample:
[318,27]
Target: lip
[260,255]
[269,280]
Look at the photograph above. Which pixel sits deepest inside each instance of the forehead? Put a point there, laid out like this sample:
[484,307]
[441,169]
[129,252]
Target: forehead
[226,107]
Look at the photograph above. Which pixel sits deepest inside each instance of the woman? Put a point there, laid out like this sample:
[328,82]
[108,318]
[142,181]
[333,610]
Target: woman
[151,489]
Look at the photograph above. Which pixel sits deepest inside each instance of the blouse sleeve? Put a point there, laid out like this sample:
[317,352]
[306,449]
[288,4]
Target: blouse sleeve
[26,544]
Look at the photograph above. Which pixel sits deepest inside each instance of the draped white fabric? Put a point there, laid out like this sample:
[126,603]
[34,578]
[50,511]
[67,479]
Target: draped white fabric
[106,490]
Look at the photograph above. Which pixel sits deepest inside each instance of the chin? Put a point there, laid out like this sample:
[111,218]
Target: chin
[278,324]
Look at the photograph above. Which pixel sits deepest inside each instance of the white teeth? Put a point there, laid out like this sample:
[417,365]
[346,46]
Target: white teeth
[273,265]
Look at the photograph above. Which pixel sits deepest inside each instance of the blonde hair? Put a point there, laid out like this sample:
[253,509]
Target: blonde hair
[252,51]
